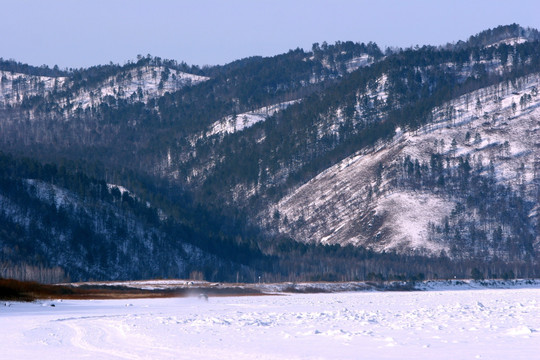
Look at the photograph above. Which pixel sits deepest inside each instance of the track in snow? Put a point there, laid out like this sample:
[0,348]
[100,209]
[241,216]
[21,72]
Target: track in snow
[489,324]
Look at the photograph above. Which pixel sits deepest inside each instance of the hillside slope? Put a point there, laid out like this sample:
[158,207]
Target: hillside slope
[398,195]
[59,224]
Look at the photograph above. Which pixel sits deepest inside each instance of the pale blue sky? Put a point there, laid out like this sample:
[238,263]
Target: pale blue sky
[74,33]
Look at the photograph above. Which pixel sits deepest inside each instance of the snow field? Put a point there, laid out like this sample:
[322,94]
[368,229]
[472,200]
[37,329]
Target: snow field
[466,324]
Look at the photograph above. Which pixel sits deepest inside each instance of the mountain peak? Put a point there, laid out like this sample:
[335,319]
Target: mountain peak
[509,34]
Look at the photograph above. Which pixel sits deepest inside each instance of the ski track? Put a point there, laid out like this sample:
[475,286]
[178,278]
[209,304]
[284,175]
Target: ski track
[491,324]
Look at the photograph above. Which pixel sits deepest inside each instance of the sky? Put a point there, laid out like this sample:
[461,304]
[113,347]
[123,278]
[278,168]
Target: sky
[74,34]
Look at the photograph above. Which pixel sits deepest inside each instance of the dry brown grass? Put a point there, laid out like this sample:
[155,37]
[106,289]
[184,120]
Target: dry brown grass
[15,290]
[28,290]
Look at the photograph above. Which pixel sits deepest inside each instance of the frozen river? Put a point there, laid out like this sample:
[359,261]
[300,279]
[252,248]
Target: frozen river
[466,324]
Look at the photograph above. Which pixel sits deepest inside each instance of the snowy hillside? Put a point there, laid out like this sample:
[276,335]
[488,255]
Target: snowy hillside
[239,122]
[15,86]
[358,201]
[141,84]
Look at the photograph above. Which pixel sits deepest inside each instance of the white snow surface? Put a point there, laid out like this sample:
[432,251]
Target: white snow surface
[231,124]
[410,215]
[358,62]
[511,41]
[467,324]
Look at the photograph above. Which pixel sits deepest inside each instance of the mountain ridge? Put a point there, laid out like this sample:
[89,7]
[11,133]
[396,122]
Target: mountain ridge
[277,159]
[482,143]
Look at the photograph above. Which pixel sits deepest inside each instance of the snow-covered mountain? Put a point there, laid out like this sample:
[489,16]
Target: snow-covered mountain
[140,83]
[340,162]
[361,200]
[15,86]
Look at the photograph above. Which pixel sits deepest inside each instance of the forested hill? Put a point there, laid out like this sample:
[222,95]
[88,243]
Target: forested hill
[60,224]
[313,155]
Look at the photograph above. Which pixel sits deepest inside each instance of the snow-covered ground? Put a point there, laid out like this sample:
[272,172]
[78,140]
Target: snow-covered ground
[358,62]
[467,324]
[141,84]
[147,79]
[232,124]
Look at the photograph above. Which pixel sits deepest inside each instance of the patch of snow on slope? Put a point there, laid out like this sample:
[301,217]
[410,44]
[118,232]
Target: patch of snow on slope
[120,188]
[511,41]
[358,62]
[331,208]
[138,84]
[52,194]
[148,79]
[14,86]
[502,130]
[409,215]
[232,124]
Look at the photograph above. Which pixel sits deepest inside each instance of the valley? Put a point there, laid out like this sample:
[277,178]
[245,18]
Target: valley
[343,162]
